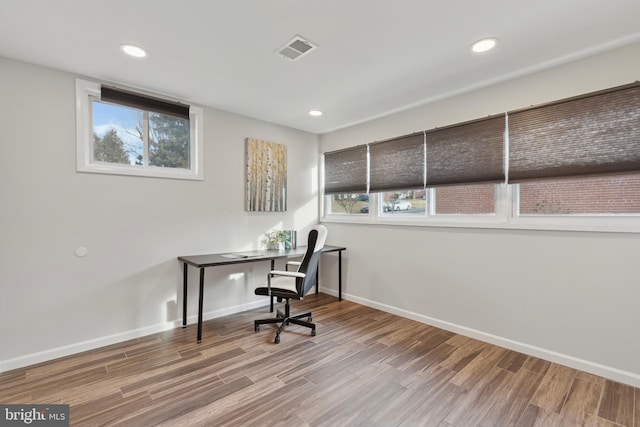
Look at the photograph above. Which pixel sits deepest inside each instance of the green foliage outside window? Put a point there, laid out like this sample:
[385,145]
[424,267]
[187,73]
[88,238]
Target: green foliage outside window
[110,148]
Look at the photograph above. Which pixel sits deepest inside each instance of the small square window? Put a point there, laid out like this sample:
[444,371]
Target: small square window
[116,137]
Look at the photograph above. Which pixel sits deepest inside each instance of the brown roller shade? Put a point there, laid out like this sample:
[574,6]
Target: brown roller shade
[143,102]
[466,153]
[397,164]
[596,133]
[345,171]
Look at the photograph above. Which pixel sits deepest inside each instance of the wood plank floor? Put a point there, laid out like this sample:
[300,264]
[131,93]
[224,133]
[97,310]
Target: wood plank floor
[364,368]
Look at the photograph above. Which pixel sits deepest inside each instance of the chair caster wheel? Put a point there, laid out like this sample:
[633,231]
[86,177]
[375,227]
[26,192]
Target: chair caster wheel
[310,319]
[313,333]
[256,328]
[277,339]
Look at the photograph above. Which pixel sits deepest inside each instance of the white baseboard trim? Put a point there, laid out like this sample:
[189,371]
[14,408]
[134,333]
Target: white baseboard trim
[55,353]
[608,372]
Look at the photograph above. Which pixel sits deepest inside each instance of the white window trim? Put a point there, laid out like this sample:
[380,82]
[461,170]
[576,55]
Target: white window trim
[605,222]
[505,218]
[86,91]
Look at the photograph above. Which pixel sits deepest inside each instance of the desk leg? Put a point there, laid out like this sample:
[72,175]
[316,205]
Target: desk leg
[339,275]
[273,267]
[184,297]
[200,304]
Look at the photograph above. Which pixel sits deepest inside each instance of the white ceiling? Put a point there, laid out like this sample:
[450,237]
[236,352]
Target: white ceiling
[374,57]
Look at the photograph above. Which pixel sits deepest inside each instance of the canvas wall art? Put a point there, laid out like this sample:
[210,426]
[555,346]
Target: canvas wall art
[266,181]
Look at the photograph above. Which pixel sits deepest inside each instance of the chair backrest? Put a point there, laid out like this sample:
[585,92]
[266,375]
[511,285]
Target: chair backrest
[309,264]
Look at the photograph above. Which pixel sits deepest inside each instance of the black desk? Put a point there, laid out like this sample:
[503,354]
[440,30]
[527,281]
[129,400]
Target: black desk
[213,260]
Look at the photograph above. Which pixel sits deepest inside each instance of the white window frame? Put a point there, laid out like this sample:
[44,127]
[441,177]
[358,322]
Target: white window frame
[86,92]
[506,217]
[429,218]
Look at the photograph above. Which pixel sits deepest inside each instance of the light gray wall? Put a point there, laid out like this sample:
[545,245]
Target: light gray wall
[129,284]
[570,297]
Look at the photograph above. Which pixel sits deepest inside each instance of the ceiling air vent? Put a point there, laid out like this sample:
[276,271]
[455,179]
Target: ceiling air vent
[296,48]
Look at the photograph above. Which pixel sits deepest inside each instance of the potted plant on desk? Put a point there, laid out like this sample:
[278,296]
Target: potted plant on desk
[276,239]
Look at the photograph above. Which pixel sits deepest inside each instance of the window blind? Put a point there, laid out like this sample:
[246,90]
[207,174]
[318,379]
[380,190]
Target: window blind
[397,164]
[466,153]
[144,102]
[345,171]
[595,133]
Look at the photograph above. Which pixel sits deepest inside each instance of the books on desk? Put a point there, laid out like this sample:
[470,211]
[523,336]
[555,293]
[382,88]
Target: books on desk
[249,254]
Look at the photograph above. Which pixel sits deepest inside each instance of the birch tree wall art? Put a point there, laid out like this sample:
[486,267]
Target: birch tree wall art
[266,185]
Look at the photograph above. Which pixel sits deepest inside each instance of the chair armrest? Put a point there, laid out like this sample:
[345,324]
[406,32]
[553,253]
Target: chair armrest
[286,273]
[272,273]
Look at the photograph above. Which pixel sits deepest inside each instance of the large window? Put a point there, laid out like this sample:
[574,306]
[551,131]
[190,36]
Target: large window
[472,200]
[126,133]
[444,171]
[560,151]
[568,164]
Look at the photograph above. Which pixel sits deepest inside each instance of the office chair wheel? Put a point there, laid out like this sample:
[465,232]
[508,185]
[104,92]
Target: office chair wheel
[310,319]
[313,332]
[277,339]
[256,327]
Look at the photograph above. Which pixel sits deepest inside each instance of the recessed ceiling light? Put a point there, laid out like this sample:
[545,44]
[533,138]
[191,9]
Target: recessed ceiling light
[483,45]
[315,113]
[132,50]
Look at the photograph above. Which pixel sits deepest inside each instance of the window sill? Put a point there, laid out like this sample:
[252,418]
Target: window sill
[149,172]
[584,224]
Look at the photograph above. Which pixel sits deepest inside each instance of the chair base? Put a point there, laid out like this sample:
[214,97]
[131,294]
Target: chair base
[284,319]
